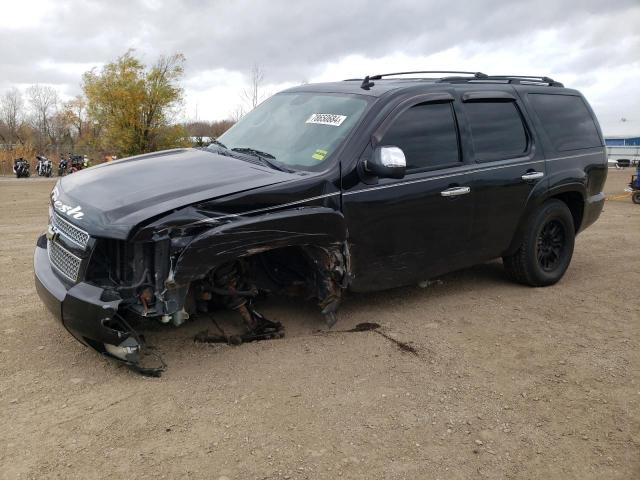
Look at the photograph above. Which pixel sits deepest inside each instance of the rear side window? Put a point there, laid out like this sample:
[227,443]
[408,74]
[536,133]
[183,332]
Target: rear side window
[427,135]
[566,120]
[497,130]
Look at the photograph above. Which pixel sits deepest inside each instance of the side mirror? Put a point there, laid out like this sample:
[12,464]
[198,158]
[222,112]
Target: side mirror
[387,162]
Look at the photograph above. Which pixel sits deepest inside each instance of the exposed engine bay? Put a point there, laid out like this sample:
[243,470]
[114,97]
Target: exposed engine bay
[142,276]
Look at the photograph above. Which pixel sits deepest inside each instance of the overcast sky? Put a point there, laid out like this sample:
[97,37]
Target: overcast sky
[591,45]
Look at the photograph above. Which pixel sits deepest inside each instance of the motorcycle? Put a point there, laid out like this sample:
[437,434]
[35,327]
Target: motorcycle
[62,166]
[77,163]
[21,167]
[44,167]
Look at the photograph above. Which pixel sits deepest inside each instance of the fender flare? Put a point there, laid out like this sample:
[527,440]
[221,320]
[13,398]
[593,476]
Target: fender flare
[245,236]
[537,198]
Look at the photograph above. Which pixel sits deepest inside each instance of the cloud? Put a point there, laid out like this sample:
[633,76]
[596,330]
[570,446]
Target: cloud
[576,40]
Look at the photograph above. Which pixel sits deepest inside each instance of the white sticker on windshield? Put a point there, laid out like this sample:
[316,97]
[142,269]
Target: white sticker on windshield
[327,119]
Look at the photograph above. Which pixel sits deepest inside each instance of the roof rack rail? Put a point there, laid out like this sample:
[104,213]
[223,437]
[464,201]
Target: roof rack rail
[379,76]
[367,82]
[518,79]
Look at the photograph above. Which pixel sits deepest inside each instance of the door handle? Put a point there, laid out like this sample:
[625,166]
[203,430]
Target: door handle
[532,176]
[455,191]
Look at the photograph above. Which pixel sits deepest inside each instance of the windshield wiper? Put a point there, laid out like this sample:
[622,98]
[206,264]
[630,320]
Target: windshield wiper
[220,148]
[265,158]
[219,144]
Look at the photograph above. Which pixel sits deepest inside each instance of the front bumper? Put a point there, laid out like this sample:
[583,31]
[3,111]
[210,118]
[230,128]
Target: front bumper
[80,308]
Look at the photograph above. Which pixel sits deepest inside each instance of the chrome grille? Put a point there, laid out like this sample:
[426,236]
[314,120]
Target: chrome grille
[64,261]
[73,233]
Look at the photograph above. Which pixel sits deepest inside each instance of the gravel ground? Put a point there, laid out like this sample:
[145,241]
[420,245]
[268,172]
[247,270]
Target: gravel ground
[506,381]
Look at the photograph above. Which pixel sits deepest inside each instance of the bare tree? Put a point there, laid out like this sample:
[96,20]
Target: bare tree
[203,128]
[61,129]
[254,94]
[12,113]
[77,112]
[237,113]
[44,102]
[219,127]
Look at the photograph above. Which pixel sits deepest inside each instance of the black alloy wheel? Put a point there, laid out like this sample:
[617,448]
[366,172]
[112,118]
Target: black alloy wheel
[550,245]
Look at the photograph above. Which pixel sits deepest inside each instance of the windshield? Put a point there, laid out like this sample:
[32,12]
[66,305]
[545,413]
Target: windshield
[297,130]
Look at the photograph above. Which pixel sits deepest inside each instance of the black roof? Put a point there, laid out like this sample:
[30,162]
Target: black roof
[378,85]
[348,87]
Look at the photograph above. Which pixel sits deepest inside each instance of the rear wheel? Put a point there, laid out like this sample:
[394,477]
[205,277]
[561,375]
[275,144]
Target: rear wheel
[635,197]
[547,246]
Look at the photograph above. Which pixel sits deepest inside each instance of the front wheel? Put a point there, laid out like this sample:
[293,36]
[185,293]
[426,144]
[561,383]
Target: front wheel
[635,197]
[547,246]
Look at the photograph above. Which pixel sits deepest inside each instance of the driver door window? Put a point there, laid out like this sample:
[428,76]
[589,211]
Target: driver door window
[428,136]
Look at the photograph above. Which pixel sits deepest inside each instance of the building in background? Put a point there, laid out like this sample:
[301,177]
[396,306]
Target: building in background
[622,141]
[623,151]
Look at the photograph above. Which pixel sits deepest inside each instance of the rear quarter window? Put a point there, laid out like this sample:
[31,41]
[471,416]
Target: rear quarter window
[566,121]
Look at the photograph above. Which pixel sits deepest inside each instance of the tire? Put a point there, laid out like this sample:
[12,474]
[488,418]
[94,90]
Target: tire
[546,249]
[635,197]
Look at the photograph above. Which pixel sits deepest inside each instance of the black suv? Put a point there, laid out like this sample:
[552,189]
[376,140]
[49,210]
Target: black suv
[364,184]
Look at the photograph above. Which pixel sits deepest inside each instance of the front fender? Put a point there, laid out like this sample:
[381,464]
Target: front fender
[249,235]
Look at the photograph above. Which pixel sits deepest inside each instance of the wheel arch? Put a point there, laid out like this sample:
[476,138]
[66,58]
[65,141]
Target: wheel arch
[250,235]
[575,201]
[572,194]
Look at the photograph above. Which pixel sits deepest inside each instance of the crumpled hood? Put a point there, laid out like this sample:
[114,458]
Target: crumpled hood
[115,197]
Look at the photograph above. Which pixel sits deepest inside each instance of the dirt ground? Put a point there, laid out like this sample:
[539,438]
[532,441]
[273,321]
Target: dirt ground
[507,381]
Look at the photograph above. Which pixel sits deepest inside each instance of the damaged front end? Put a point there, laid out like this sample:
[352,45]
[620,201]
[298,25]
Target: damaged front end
[92,313]
[103,290]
